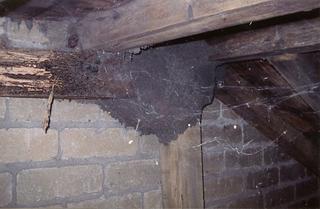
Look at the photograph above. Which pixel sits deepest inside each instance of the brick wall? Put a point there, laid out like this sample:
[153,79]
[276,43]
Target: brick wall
[243,169]
[87,159]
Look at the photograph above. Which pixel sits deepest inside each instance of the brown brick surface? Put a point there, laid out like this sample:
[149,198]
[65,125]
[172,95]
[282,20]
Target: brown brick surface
[262,178]
[313,202]
[229,113]
[132,201]
[19,145]
[212,112]
[84,143]
[152,200]
[223,187]
[38,185]
[227,134]
[249,157]
[213,162]
[274,155]
[132,175]
[292,172]
[5,189]
[279,197]
[252,134]
[255,201]
[306,188]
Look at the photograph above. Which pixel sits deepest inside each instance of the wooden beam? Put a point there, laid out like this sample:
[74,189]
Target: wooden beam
[301,71]
[181,170]
[152,21]
[263,100]
[145,22]
[301,36]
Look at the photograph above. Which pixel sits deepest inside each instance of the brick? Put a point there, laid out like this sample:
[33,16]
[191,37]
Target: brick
[252,134]
[279,197]
[119,202]
[314,202]
[73,111]
[273,155]
[132,176]
[27,110]
[19,145]
[263,178]
[38,185]
[212,112]
[255,201]
[149,145]
[291,172]
[308,203]
[2,108]
[251,157]
[152,200]
[222,187]
[307,188]
[299,205]
[84,143]
[227,134]
[5,189]
[229,113]
[213,162]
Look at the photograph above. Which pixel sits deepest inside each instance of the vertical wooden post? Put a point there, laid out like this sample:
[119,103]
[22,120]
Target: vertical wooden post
[181,168]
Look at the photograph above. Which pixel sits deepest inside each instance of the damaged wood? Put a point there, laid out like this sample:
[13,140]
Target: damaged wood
[77,75]
[258,93]
[257,41]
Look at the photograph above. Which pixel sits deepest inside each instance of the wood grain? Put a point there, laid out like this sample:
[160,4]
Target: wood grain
[181,170]
[301,36]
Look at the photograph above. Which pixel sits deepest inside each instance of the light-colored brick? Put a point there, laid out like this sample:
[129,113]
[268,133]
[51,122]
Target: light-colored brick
[213,111]
[73,111]
[83,143]
[5,189]
[27,110]
[131,201]
[19,145]
[133,175]
[152,200]
[150,145]
[228,112]
[38,185]
[2,108]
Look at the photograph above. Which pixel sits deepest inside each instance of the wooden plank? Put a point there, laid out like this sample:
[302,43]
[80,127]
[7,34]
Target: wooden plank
[263,100]
[301,70]
[152,21]
[32,74]
[144,22]
[181,170]
[300,36]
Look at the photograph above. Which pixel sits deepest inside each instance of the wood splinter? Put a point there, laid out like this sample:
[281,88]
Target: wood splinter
[46,123]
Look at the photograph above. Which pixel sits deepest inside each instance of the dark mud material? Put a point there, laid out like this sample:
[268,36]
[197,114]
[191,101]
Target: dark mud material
[172,84]
[160,91]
